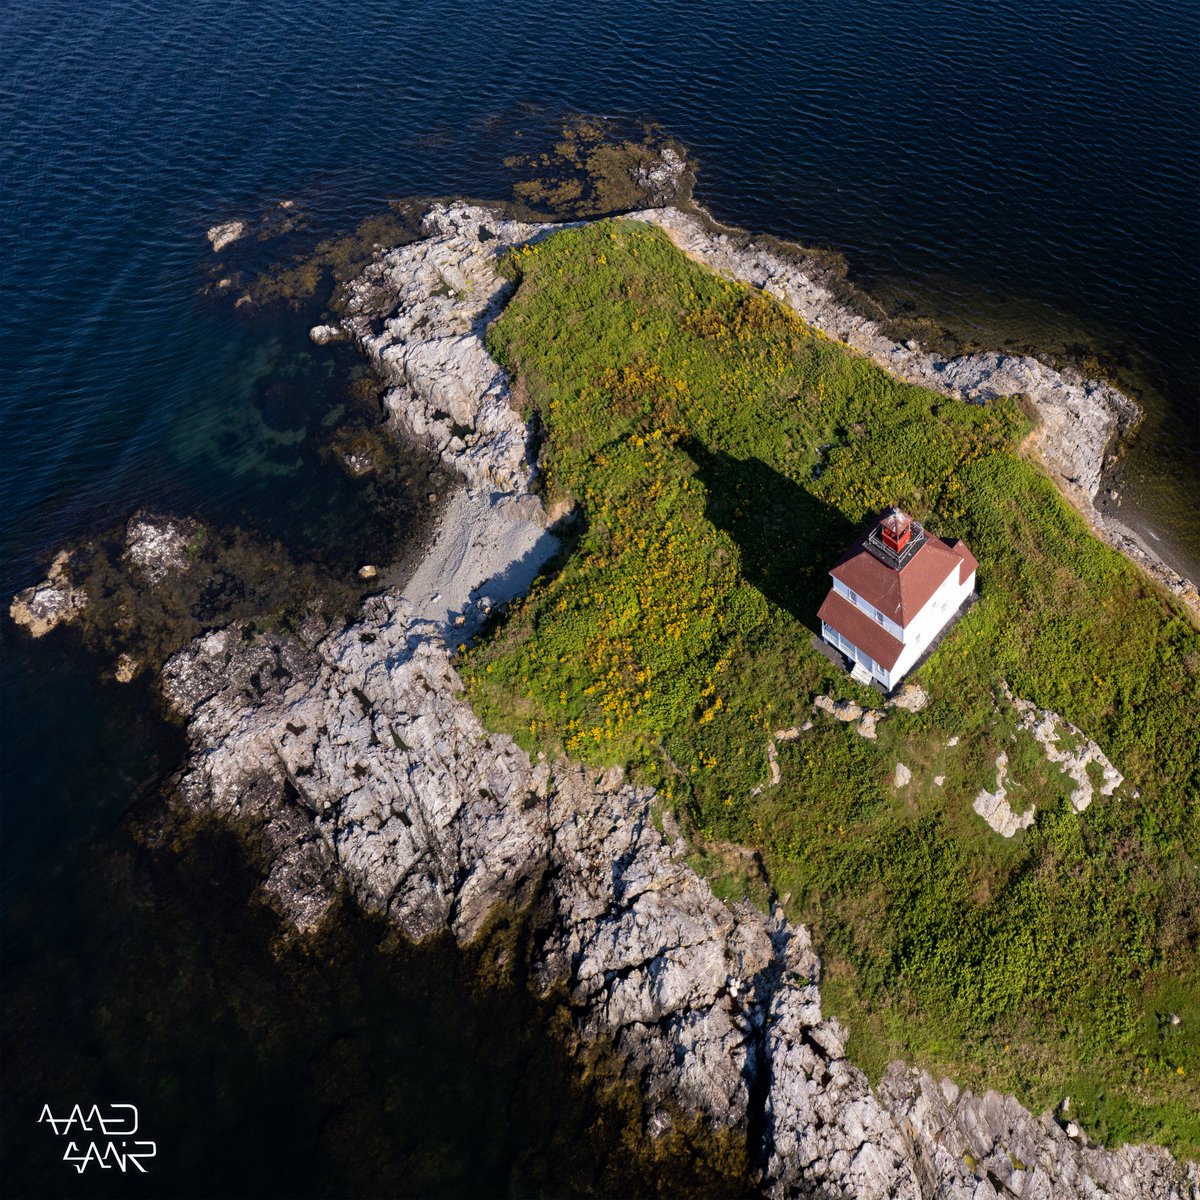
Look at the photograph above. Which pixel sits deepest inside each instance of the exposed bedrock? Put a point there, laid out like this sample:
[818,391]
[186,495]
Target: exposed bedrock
[358,764]
[355,761]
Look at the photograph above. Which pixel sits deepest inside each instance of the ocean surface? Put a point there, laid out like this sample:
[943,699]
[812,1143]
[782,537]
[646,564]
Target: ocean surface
[1027,173]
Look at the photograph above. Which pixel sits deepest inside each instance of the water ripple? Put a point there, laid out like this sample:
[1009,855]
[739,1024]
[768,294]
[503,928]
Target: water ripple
[977,153]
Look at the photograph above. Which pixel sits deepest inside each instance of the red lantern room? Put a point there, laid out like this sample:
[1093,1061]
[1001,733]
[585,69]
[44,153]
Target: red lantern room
[896,529]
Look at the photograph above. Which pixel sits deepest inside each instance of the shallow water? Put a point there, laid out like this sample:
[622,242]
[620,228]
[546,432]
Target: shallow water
[1029,170]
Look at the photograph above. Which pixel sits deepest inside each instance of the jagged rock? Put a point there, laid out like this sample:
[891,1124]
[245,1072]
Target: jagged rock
[435,298]
[661,181]
[53,602]
[989,1145]
[126,669]
[902,776]
[368,571]
[362,764]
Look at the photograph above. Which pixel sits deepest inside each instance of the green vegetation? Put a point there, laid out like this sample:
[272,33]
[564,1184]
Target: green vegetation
[722,455]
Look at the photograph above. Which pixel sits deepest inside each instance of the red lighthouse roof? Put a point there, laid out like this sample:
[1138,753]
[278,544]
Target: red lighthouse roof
[897,567]
[858,628]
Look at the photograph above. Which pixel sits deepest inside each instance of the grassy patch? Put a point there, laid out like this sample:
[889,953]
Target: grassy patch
[723,455]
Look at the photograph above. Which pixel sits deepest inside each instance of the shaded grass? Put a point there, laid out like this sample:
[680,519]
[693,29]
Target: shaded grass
[723,455]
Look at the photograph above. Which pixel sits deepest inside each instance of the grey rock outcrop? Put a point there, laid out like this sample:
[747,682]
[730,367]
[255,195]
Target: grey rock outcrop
[358,764]
[1064,745]
[225,234]
[420,313]
[431,302]
[995,809]
[1069,748]
[988,1147]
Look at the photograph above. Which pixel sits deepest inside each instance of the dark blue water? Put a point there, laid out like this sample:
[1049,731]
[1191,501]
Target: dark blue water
[1028,170]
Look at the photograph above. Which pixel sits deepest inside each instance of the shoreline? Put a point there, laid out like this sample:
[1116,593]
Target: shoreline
[354,762]
[370,771]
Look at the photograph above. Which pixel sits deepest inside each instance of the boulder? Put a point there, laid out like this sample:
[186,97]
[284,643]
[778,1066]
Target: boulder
[53,602]
[225,234]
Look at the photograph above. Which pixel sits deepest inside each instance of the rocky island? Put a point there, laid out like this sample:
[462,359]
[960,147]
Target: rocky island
[423,758]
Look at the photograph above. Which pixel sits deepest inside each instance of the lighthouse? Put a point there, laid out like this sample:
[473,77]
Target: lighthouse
[893,592]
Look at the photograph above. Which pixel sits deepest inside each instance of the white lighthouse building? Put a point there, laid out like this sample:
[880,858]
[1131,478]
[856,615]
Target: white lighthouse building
[893,592]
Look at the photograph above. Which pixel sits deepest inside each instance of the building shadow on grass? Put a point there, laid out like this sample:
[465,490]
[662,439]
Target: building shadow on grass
[788,538]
